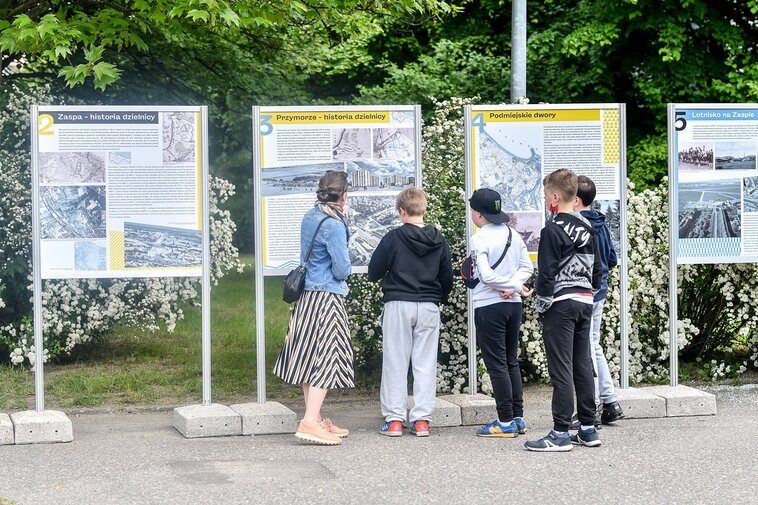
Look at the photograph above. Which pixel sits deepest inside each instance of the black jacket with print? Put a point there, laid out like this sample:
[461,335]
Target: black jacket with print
[567,261]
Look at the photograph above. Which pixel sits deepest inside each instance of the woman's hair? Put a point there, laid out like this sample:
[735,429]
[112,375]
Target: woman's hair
[412,200]
[332,186]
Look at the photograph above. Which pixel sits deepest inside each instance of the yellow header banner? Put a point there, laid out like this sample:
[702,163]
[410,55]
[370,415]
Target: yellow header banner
[320,117]
[508,116]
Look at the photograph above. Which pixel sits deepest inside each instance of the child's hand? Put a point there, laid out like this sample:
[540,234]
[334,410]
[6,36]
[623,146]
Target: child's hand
[526,293]
[508,293]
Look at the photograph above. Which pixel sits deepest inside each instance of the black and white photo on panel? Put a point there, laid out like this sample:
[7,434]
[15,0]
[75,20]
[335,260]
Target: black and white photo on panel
[72,167]
[154,246]
[371,217]
[710,209]
[695,156]
[735,155]
[296,179]
[72,212]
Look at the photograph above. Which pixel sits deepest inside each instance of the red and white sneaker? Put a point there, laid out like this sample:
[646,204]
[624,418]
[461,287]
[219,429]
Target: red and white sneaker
[392,429]
[420,428]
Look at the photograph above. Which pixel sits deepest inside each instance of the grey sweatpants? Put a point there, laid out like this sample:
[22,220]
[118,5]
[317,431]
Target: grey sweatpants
[411,333]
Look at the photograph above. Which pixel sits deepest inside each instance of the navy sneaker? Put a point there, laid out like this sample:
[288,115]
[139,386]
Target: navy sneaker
[589,438]
[575,424]
[612,412]
[552,442]
[498,429]
[520,425]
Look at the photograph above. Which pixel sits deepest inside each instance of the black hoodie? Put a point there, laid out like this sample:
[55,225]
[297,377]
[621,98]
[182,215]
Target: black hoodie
[566,259]
[415,264]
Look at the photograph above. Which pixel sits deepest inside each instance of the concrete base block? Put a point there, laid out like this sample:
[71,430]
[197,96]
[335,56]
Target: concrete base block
[266,418]
[214,420]
[640,403]
[685,401]
[48,426]
[445,413]
[475,409]
[6,430]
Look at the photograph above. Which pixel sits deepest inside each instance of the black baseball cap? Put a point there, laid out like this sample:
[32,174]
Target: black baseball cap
[488,202]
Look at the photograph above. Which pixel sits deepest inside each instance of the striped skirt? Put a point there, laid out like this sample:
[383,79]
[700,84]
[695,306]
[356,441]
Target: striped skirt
[317,350]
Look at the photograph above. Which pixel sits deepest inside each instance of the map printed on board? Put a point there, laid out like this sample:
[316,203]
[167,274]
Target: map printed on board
[376,147]
[716,183]
[119,192]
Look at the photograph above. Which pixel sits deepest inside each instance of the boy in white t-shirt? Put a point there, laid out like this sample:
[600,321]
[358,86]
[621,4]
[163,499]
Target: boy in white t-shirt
[497,308]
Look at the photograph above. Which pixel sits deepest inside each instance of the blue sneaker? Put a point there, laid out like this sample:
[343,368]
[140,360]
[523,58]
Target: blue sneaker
[552,442]
[520,424]
[498,429]
[589,438]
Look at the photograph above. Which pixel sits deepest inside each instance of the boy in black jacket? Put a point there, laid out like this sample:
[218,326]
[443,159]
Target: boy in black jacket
[569,273]
[414,260]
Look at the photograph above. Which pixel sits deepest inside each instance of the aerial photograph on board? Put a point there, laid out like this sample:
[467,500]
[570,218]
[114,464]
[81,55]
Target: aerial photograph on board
[371,217]
[296,179]
[750,197]
[72,212]
[710,209]
[150,246]
[390,175]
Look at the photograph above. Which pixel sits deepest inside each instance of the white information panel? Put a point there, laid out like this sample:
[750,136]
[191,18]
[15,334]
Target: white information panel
[713,170]
[513,147]
[377,146]
[120,191]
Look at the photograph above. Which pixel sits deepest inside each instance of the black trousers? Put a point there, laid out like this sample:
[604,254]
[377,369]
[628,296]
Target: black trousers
[497,332]
[566,331]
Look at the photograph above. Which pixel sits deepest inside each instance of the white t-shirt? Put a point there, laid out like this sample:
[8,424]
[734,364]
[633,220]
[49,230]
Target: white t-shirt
[486,247]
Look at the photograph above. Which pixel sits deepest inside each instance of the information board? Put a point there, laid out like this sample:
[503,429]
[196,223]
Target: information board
[511,148]
[120,191]
[379,149]
[712,166]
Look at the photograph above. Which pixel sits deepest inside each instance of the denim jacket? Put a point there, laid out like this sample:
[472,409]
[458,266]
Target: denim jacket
[329,264]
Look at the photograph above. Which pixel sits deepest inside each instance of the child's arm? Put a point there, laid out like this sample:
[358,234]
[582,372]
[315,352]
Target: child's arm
[597,269]
[445,274]
[379,264]
[548,260]
[613,259]
[492,279]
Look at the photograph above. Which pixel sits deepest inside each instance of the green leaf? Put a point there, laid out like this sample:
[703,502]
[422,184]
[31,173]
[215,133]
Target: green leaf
[196,14]
[105,74]
[230,17]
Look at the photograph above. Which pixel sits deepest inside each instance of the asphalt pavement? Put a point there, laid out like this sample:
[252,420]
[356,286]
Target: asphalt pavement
[123,458]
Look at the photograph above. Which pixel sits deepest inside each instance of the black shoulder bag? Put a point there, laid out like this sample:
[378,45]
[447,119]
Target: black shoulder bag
[467,267]
[295,280]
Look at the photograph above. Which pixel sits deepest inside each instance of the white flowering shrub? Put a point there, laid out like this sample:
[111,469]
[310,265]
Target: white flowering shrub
[718,311]
[80,310]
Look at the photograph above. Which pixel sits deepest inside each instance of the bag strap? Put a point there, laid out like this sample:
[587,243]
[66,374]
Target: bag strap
[507,246]
[313,240]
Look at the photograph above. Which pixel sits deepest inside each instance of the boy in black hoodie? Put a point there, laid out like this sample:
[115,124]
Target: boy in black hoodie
[569,273]
[414,260]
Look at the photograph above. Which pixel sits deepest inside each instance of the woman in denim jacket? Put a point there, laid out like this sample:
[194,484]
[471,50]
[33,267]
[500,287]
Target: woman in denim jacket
[318,353]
